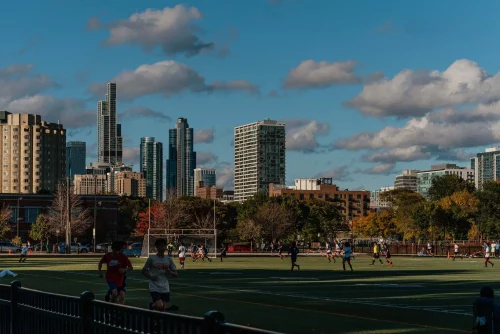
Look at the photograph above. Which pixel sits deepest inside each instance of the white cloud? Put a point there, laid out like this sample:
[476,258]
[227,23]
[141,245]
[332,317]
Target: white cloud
[411,153]
[414,93]
[380,169]
[172,29]
[15,69]
[70,112]
[313,74]
[131,155]
[225,176]
[137,111]
[167,78]
[204,136]
[205,158]
[302,134]
[238,85]
[338,173]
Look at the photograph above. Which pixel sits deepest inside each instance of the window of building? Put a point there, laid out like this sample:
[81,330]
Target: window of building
[16,130]
[311,196]
[358,196]
[5,129]
[30,214]
[5,188]
[26,137]
[320,195]
[301,196]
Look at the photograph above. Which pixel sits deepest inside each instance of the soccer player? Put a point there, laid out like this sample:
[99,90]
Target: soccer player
[493,248]
[24,254]
[387,253]
[170,248]
[157,269]
[448,247]
[376,253]
[294,251]
[487,254]
[194,251]
[329,253]
[182,255]
[347,255]
[456,252]
[123,287]
[223,252]
[116,267]
[205,253]
[280,250]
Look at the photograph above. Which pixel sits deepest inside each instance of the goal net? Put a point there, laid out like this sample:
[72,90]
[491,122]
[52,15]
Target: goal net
[188,237]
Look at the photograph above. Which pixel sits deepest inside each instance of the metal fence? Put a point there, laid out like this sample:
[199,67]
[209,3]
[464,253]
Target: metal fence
[26,311]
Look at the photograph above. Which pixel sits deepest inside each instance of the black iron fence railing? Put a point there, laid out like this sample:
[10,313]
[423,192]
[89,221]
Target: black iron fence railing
[26,311]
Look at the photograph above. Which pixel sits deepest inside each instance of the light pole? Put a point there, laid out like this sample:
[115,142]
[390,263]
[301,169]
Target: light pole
[17,215]
[95,208]
[215,234]
[68,217]
[149,223]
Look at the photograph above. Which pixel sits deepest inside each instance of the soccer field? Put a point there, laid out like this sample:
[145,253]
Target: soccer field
[418,295]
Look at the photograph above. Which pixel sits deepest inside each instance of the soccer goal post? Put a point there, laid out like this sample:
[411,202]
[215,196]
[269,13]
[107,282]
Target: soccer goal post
[188,237]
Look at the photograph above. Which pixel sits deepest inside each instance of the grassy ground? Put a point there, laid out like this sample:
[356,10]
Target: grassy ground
[418,295]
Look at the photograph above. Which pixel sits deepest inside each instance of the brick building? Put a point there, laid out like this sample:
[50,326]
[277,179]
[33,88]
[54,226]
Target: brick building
[28,206]
[209,192]
[352,203]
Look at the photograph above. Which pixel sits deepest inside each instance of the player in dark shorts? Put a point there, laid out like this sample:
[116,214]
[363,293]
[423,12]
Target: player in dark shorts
[280,250]
[123,287]
[376,254]
[347,250]
[294,251]
[223,252]
[387,253]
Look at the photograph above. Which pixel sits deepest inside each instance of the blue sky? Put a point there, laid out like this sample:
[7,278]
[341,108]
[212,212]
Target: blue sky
[366,88]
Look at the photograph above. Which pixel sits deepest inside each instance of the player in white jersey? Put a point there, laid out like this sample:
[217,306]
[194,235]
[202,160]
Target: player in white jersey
[487,254]
[457,252]
[182,255]
[329,252]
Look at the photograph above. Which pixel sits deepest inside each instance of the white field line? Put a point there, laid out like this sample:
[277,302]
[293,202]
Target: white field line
[309,297]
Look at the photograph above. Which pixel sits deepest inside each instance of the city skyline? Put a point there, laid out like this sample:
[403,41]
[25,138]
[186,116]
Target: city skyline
[327,79]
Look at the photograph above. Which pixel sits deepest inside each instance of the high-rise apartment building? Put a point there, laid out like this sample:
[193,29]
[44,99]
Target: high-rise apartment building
[109,133]
[486,166]
[259,157]
[204,177]
[181,159]
[407,180]
[33,154]
[424,178]
[151,161]
[76,153]
[111,175]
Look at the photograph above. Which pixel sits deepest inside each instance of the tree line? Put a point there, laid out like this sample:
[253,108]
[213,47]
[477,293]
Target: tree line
[452,210]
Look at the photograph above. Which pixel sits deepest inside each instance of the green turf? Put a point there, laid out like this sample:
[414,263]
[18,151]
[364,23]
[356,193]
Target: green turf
[431,295]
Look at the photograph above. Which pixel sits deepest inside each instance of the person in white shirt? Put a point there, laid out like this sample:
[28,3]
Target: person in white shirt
[182,254]
[24,254]
[487,254]
[493,248]
[457,253]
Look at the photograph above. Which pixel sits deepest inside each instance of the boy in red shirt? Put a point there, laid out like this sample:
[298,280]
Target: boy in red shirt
[117,264]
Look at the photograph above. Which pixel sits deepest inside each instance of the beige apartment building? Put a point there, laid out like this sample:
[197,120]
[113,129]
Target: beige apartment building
[130,184]
[32,152]
[89,184]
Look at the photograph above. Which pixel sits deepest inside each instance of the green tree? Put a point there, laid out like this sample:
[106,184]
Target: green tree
[488,213]
[40,229]
[447,185]
[5,217]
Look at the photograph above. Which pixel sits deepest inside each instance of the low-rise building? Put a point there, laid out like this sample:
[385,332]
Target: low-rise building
[130,184]
[90,184]
[228,196]
[377,201]
[407,180]
[352,203]
[424,178]
[209,192]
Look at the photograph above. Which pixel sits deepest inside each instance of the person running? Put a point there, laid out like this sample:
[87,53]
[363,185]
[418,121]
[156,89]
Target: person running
[116,267]
[456,252]
[329,252]
[487,254]
[223,252]
[376,254]
[347,255]
[387,254]
[294,252]
[170,249]
[309,248]
[157,269]
[182,255]
[280,250]
[123,287]
[204,251]
[24,254]
[194,252]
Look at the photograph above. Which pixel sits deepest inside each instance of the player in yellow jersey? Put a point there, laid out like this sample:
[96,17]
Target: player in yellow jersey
[376,253]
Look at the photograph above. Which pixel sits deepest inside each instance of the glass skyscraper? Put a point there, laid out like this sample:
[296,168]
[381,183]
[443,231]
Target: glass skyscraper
[109,133]
[76,152]
[151,161]
[486,166]
[181,160]
[204,177]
